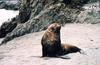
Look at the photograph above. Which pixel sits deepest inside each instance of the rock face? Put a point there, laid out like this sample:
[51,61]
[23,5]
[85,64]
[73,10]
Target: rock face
[9,4]
[36,15]
[91,14]
[6,28]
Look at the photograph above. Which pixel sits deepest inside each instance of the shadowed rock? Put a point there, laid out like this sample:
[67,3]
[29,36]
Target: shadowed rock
[6,28]
[9,4]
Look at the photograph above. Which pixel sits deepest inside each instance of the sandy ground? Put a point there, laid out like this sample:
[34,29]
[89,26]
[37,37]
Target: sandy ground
[26,50]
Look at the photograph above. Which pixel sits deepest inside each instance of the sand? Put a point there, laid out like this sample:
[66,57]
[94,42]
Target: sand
[26,50]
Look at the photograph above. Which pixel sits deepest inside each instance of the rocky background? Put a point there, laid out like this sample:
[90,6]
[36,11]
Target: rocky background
[9,4]
[36,15]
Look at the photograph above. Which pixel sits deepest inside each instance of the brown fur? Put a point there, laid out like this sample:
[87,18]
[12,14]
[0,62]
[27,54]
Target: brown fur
[51,43]
[67,48]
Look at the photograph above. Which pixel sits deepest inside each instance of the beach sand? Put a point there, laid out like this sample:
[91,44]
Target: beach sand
[26,50]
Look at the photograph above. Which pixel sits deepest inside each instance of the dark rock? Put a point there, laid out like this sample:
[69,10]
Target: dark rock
[9,4]
[36,15]
[6,28]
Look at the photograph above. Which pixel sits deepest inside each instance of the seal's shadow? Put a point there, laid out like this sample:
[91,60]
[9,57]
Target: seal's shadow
[47,58]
